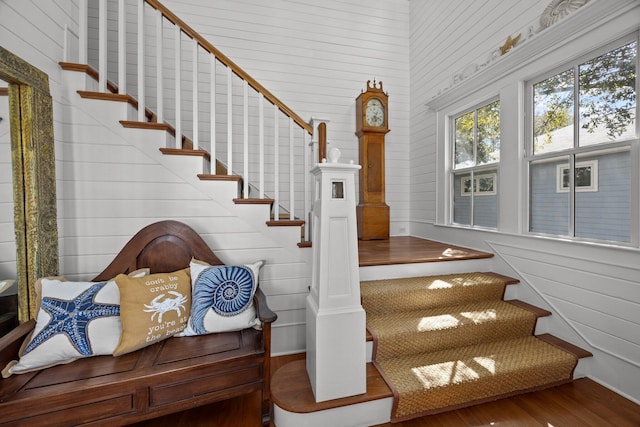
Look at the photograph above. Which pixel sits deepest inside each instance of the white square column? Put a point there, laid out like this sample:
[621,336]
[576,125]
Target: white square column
[336,323]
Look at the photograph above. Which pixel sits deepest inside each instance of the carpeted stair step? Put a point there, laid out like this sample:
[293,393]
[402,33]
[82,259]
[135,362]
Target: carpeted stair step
[440,328]
[445,342]
[438,381]
[418,293]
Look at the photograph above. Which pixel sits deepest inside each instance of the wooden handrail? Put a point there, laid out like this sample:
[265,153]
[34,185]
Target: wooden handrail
[229,63]
[322,141]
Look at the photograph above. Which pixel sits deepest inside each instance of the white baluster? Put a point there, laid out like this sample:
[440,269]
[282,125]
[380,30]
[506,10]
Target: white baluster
[308,191]
[82,31]
[292,198]
[245,136]
[159,68]
[229,122]
[212,123]
[178,94]
[196,97]
[102,46]
[141,83]
[122,48]
[261,144]
[276,164]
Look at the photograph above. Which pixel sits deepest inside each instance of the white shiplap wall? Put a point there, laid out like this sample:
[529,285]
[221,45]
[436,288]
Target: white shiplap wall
[7,235]
[317,57]
[593,290]
[111,181]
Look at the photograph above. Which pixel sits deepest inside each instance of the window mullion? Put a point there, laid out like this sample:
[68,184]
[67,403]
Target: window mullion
[572,195]
[576,145]
[475,163]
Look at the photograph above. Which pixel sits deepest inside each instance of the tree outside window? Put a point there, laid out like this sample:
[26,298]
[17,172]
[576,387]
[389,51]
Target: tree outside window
[584,124]
[476,153]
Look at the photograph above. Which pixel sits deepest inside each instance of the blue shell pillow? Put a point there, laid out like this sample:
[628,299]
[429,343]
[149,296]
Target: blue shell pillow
[74,320]
[222,298]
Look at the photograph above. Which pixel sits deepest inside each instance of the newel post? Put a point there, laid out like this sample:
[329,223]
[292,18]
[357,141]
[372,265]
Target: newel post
[336,347]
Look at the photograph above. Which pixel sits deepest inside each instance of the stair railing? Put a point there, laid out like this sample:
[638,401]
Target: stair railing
[144,50]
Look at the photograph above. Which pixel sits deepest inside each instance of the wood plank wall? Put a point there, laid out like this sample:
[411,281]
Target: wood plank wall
[317,57]
[591,289]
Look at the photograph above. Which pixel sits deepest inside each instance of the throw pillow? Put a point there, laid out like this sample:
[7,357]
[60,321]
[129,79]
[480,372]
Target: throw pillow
[222,298]
[152,308]
[74,320]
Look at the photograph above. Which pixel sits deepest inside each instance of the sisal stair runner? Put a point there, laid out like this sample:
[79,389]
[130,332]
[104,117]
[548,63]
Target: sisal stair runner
[445,342]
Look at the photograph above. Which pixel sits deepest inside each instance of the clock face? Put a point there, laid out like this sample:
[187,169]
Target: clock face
[374,113]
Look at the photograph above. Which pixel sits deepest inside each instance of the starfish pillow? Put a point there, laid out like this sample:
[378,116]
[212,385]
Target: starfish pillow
[75,320]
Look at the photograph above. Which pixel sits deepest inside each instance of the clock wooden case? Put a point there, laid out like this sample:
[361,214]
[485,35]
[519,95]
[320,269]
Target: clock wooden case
[372,124]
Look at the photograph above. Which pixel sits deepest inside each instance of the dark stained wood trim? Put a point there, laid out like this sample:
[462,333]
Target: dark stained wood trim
[286,223]
[240,201]
[508,280]
[145,125]
[305,244]
[83,68]
[184,152]
[539,312]
[4,91]
[291,390]
[578,352]
[408,250]
[210,177]
[104,96]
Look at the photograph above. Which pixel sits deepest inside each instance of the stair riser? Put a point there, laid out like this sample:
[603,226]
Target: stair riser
[466,335]
[444,379]
[417,299]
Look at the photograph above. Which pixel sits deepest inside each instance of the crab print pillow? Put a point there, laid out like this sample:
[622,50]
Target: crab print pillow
[74,320]
[152,308]
[222,298]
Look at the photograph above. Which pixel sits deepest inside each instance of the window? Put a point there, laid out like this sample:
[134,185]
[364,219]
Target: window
[586,177]
[582,133]
[476,154]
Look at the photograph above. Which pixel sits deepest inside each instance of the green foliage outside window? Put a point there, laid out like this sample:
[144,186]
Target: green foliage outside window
[484,134]
[606,101]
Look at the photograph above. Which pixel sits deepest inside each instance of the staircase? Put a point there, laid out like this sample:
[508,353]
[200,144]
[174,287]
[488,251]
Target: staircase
[438,343]
[444,342]
[175,81]
[468,347]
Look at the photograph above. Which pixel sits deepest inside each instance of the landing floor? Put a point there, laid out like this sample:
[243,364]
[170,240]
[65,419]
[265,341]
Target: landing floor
[408,249]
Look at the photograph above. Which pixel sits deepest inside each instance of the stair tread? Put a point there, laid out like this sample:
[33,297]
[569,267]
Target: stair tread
[285,223]
[416,293]
[488,369]
[539,312]
[446,327]
[441,318]
[578,352]
[211,177]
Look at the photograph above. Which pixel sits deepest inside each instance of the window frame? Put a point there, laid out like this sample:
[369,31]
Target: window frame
[476,171]
[632,144]
[593,177]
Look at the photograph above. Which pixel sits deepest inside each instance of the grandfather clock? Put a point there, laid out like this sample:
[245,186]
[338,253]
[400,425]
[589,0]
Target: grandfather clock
[372,125]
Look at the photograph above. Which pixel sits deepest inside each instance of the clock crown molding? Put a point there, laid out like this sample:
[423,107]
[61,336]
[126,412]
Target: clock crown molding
[375,87]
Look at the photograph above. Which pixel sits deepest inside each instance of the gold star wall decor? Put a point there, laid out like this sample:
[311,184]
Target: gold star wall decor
[509,44]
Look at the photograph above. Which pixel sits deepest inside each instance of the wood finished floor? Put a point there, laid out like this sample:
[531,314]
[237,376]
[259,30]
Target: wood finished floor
[407,249]
[582,403]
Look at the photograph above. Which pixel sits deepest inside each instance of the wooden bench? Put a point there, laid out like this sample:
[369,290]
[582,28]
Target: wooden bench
[170,376]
